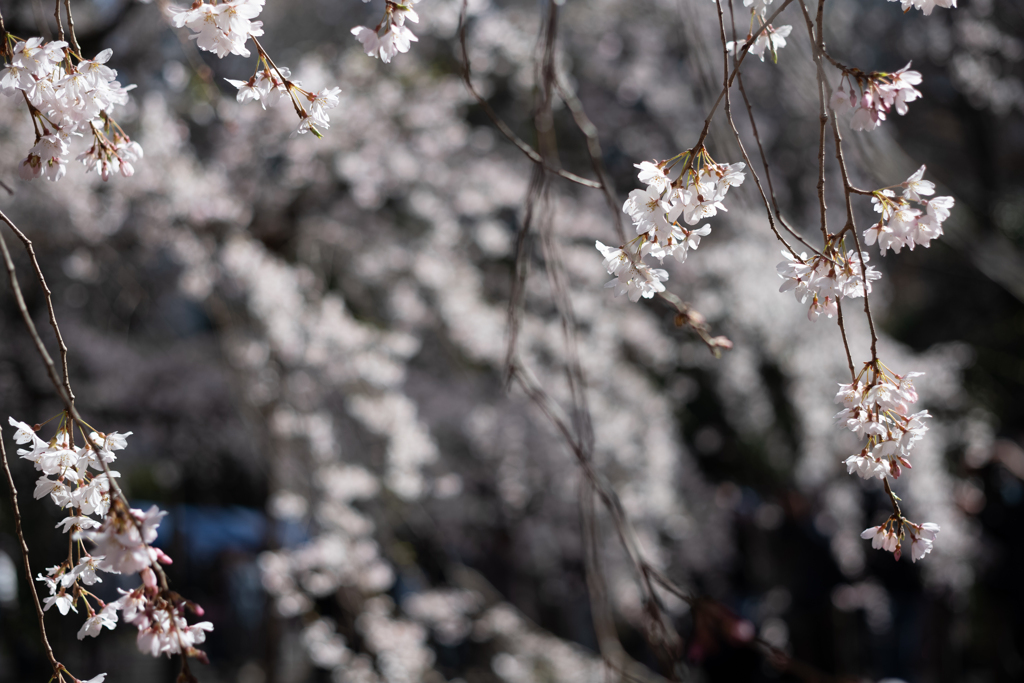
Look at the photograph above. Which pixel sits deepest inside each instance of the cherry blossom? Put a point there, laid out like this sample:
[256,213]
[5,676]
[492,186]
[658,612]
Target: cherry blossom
[391,36]
[122,540]
[926,6]
[879,409]
[66,99]
[872,95]
[655,210]
[223,28]
[826,278]
[771,39]
[904,225]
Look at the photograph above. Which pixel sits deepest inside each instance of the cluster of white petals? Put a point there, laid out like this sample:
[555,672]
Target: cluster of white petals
[826,280]
[655,212]
[270,85]
[879,409]
[874,95]
[163,629]
[889,537]
[69,96]
[223,28]
[926,6]
[391,35]
[771,39]
[66,475]
[122,542]
[904,225]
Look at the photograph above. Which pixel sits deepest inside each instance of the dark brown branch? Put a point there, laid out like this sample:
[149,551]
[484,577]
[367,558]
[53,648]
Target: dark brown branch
[818,47]
[846,343]
[69,406]
[71,26]
[589,130]
[739,141]
[49,302]
[23,546]
[740,56]
[60,25]
[499,123]
[51,369]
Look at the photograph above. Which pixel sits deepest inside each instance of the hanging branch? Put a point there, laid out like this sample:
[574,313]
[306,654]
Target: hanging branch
[56,666]
[49,303]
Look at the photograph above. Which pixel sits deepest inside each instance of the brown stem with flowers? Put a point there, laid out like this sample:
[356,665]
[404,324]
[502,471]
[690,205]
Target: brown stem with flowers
[75,417]
[22,545]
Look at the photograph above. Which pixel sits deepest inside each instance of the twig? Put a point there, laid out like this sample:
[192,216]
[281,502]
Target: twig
[51,370]
[589,130]
[60,26]
[23,546]
[818,46]
[846,343]
[71,26]
[739,141]
[49,302]
[501,125]
[75,416]
[741,55]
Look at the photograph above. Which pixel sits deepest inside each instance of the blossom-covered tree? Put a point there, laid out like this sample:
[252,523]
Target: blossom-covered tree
[405,336]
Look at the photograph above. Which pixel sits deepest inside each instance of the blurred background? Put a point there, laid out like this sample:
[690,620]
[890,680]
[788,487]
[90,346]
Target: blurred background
[307,337]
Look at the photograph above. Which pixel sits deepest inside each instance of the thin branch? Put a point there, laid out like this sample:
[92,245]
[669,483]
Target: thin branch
[823,122]
[71,27]
[501,125]
[767,169]
[846,343]
[51,369]
[589,130]
[60,25]
[75,416]
[49,302]
[740,56]
[739,141]
[23,546]
[624,528]
[818,46]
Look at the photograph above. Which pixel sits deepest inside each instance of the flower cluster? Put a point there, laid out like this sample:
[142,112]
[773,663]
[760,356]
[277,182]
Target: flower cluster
[122,541]
[67,95]
[771,38]
[271,84]
[926,6]
[879,408]
[694,195]
[391,35]
[890,536]
[871,96]
[903,225]
[223,28]
[826,278]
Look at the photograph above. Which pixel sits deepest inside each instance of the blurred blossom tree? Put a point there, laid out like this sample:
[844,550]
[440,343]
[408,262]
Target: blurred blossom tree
[398,430]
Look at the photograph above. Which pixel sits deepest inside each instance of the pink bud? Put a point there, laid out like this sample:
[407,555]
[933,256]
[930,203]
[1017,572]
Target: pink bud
[894,469]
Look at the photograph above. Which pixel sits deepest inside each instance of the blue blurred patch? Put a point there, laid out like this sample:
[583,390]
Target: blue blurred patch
[207,531]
